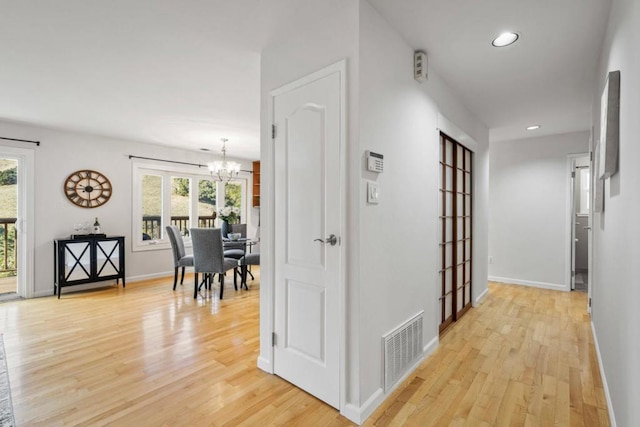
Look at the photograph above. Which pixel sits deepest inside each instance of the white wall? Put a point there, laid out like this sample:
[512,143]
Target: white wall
[616,291]
[528,222]
[303,37]
[399,238]
[392,248]
[60,154]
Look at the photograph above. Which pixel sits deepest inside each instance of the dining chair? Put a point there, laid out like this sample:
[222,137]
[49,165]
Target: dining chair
[235,249]
[248,259]
[238,250]
[209,259]
[180,258]
[239,228]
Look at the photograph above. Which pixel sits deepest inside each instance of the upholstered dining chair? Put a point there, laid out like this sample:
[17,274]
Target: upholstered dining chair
[209,259]
[180,258]
[248,259]
[235,249]
[239,228]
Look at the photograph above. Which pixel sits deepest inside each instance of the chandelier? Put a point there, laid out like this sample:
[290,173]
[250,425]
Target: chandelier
[224,171]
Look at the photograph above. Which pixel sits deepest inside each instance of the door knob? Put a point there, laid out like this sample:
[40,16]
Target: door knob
[587,228]
[332,240]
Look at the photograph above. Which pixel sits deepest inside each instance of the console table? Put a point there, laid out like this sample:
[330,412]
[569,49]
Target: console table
[86,260]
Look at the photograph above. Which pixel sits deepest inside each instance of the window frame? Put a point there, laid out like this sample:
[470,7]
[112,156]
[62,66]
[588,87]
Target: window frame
[167,172]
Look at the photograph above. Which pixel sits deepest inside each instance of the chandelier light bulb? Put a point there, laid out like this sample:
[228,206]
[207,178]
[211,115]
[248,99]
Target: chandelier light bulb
[224,171]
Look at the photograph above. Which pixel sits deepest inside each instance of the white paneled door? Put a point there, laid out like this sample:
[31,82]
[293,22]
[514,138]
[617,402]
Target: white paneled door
[307,118]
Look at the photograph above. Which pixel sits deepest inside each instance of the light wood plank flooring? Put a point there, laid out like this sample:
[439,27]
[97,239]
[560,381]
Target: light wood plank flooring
[8,284]
[525,356]
[148,356]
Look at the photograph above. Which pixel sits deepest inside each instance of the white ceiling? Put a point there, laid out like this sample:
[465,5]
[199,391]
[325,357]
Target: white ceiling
[186,72]
[174,72]
[546,78]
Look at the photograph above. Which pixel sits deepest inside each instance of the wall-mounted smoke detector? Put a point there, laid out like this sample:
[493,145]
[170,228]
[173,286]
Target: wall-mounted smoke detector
[420,71]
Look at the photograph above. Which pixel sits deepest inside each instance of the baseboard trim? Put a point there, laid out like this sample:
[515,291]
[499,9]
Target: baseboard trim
[360,415]
[607,395]
[533,284]
[265,364]
[430,347]
[482,296]
[95,285]
[43,293]
[142,277]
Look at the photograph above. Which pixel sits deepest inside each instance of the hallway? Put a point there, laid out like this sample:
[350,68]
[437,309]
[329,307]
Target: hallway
[525,356]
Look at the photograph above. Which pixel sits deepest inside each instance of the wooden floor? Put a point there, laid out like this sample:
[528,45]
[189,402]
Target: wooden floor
[148,356]
[8,284]
[525,356]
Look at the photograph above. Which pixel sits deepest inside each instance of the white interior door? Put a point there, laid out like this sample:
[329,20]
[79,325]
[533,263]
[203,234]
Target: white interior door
[307,150]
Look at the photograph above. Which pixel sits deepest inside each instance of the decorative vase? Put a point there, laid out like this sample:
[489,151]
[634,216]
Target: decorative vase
[225,228]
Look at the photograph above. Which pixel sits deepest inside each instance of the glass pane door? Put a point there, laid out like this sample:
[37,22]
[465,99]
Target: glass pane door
[456,233]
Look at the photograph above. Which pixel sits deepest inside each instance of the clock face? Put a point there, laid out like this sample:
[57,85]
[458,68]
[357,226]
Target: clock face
[87,188]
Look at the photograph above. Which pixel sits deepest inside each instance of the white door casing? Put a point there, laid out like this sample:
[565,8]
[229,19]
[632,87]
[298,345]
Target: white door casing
[307,276]
[26,217]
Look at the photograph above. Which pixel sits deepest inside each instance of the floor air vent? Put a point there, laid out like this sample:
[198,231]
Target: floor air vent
[402,348]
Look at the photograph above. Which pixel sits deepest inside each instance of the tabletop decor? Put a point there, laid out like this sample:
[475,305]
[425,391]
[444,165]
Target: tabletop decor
[228,215]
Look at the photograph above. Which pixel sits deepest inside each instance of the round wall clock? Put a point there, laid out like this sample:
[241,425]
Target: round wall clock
[87,188]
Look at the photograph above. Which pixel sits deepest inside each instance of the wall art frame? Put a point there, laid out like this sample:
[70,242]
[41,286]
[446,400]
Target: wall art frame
[609,126]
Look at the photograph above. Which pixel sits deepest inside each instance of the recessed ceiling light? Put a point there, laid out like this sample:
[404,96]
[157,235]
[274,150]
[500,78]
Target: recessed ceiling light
[505,39]
[534,127]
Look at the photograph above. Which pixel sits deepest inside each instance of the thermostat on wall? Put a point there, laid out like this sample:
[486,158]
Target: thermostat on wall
[375,161]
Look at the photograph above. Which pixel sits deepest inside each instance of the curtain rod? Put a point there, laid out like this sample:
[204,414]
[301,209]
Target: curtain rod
[21,140]
[176,162]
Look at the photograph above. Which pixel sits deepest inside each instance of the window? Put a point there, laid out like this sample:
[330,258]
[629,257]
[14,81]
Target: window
[180,202]
[151,207]
[165,195]
[233,197]
[206,203]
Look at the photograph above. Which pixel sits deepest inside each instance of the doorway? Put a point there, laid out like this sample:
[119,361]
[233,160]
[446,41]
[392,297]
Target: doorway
[16,223]
[456,230]
[580,224]
[308,147]
[8,231]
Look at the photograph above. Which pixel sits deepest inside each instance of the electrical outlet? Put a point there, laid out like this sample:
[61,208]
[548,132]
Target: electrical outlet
[490,260]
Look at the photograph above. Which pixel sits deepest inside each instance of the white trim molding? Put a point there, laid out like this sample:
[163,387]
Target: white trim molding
[542,285]
[25,223]
[360,414]
[267,295]
[612,416]
[571,161]
[480,297]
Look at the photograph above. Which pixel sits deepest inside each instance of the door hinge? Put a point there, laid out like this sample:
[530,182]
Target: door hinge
[273,131]
[573,174]
[573,274]
[589,302]
[273,339]
[591,156]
